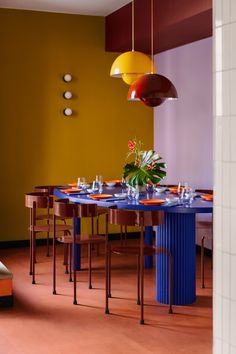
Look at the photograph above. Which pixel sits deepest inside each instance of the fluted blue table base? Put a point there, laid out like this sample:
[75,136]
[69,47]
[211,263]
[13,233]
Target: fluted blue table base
[178,235]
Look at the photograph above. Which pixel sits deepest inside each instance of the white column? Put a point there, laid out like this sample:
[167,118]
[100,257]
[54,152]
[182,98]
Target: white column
[224,268]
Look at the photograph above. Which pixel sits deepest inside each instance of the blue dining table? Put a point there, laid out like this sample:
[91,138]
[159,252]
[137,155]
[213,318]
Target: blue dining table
[176,234]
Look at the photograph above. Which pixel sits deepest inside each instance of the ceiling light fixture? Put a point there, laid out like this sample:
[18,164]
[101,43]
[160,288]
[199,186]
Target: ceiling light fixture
[132,64]
[152,89]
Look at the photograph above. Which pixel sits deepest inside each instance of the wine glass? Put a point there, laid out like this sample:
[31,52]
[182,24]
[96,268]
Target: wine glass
[180,191]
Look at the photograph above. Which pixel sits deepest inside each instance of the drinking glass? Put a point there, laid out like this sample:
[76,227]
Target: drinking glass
[99,181]
[83,183]
[133,192]
[129,192]
[123,185]
[149,188]
[136,192]
[188,196]
[95,186]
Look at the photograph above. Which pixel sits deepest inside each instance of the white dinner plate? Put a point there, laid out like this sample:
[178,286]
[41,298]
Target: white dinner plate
[120,195]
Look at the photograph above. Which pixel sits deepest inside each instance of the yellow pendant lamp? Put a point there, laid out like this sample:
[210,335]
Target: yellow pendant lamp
[133,64]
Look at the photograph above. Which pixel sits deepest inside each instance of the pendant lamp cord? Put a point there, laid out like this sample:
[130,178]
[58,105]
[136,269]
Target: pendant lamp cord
[152,36]
[132,25]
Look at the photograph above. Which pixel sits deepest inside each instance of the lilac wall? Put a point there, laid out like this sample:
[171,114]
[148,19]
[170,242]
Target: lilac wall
[183,128]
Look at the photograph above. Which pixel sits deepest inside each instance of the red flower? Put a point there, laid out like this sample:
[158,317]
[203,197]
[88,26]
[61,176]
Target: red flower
[151,166]
[131,145]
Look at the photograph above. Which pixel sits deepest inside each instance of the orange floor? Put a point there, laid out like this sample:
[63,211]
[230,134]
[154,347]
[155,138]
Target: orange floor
[42,323]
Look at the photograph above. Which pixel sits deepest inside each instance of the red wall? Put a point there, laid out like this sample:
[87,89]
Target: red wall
[176,22]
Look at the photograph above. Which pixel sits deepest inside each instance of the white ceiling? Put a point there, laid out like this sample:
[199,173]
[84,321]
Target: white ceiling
[82,7]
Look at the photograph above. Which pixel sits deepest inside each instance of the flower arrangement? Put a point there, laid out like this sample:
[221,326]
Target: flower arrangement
[146,168]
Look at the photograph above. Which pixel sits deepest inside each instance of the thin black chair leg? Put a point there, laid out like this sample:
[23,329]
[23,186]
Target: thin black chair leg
[54,256]
[74,262]
[138,280]
[70,260]
[48,253]
[202,263]
[142,275]
[109,272]
[31,254]
[90,265]
[34,257]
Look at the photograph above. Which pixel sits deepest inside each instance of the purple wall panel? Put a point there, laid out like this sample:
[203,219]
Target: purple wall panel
[183,128]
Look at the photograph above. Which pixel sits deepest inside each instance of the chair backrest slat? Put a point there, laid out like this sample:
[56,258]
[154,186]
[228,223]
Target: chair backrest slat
[38,200]
[46,189]
[88,210]
[150,218]
[64,209]
[122,217]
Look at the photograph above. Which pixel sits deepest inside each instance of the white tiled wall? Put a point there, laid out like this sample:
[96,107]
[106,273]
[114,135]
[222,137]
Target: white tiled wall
[224,82]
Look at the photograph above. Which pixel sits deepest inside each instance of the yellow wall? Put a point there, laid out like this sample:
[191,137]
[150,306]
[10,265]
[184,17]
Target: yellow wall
[38,144]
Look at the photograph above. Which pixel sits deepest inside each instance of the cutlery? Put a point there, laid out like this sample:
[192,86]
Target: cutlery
[174,205]
[113,199]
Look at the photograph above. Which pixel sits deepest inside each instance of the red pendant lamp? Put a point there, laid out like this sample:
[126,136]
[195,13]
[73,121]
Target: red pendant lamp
[152,89]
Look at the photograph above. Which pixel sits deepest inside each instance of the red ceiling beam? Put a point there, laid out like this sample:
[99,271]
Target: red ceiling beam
[176,22]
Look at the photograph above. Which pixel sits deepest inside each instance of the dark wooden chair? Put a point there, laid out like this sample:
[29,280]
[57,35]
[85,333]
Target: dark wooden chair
[64,209]
[140,219]
[48,215]
[43,201]
[123,228]
[204,225]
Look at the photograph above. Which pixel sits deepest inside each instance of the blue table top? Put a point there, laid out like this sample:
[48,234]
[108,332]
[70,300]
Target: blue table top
[198,205]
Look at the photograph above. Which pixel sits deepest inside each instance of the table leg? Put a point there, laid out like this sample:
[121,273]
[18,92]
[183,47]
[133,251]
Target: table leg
[77,225]
[177,234]
[148,240]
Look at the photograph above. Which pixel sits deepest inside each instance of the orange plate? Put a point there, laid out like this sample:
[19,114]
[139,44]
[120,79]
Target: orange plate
[174,189]
[113,181]
[100,196]
[207,197]
[71,190]
[72,184]
[152,201]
